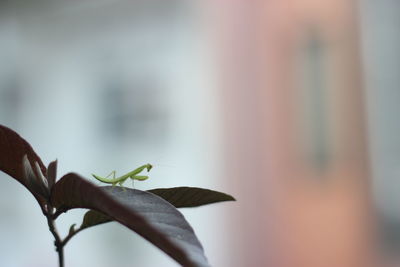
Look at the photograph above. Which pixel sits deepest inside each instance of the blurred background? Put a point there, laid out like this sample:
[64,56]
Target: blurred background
[289,105]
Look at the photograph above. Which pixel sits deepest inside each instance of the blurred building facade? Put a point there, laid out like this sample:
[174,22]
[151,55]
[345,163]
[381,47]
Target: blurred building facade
[298,128]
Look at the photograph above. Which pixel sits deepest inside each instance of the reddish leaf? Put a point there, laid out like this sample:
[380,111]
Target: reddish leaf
[93,218]
[52,173]
[179,197]
[186,197]
[12,150]
[147,214]
[36,182]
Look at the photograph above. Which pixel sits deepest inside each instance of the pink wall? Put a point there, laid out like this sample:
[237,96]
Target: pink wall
[290,212]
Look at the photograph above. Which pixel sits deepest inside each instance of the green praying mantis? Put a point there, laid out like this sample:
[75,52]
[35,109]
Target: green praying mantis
[122,179]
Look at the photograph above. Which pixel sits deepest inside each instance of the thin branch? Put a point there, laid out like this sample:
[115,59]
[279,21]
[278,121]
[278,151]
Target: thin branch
[58,212]
[58,242]
[70,235]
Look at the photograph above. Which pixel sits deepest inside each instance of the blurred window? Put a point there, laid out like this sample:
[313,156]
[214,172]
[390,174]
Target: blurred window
[10,99]
[136,109]
[314,95]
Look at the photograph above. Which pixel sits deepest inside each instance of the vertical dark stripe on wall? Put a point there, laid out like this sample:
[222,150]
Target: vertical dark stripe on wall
[316,92]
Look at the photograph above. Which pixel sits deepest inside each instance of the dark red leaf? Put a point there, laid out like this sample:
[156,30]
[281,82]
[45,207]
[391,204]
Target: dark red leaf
[185,197]
[36,182]
[52,173]
[12,150]
[179,197]
[147,214]
[93,218]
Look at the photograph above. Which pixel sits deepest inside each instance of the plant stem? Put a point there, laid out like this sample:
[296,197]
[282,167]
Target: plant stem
[70,235]
[57,242]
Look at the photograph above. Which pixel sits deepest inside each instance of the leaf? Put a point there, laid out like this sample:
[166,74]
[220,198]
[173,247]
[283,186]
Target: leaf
[71,229]
[179,197]
[146,214]
[185,197]
[12,150]
[93,218]
[35,181]
[52,173]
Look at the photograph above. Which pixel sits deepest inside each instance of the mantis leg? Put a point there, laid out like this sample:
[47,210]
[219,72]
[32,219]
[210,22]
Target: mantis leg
[140,169]
[139,177]
[113,174]
[120,184]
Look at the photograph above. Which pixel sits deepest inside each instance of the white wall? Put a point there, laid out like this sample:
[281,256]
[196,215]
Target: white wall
[104,85]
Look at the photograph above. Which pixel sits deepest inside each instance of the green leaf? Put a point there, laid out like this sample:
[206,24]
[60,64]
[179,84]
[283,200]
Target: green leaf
[13,148]
[146,214]
[185,197]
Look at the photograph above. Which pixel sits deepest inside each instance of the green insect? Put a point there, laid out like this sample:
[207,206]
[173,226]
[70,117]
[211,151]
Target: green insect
[120,180]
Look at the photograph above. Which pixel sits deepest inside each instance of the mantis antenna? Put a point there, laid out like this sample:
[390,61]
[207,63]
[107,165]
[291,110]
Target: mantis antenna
[120,180]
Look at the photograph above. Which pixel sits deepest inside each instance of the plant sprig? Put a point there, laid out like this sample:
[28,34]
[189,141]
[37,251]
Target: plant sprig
[152,214]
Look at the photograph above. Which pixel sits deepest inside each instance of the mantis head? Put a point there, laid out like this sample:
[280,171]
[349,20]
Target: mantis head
[149,167]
